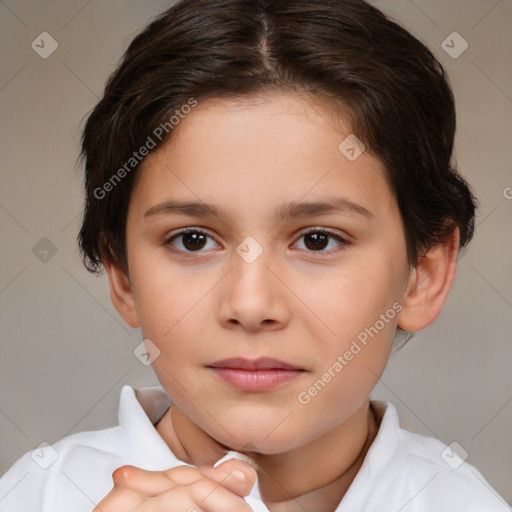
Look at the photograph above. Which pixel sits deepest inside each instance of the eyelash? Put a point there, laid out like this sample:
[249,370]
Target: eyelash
[338,238]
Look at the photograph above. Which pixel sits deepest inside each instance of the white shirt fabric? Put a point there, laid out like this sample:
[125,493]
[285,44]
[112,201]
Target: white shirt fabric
[402,471]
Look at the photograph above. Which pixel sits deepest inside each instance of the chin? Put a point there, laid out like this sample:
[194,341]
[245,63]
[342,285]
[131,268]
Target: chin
[262,443]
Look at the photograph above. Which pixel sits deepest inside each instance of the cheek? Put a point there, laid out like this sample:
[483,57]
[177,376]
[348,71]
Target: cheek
[354,299]
[348,374]
[361,310]
[165,294]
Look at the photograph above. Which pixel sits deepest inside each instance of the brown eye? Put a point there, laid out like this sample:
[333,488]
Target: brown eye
[189,240]
[316,240]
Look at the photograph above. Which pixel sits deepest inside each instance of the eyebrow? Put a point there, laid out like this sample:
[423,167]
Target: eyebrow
[286,210]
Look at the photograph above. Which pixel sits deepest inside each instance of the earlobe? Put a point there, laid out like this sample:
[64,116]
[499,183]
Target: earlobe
[121,293]
[429,285]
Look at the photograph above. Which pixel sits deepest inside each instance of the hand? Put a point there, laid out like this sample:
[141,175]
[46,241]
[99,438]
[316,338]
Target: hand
[181,489]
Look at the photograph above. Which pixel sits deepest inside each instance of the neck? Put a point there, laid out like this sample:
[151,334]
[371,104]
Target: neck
[308,475]
[187,441]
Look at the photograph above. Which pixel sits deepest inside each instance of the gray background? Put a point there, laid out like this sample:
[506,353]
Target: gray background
[65,352]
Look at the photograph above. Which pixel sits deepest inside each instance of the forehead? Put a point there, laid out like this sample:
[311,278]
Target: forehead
[252,153]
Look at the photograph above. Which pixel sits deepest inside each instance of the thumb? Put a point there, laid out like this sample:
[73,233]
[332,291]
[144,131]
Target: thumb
[234,475]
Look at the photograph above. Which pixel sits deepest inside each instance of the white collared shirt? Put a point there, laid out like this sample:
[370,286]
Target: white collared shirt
[402,471]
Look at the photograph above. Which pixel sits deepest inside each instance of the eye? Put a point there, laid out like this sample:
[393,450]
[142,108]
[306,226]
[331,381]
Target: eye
[193,240]
[317,239]
[190,240]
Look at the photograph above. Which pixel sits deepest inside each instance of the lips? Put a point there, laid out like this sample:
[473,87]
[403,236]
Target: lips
[263,363]
[257,375]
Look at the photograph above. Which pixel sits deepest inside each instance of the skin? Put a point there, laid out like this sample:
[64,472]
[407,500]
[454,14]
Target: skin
[302,305]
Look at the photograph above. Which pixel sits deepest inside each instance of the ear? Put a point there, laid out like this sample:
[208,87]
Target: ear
[429,284]
[121,293]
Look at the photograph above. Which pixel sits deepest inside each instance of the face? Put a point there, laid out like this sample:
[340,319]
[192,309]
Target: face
[316,287]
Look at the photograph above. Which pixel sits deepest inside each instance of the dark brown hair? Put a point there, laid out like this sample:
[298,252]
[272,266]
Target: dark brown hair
[344,52]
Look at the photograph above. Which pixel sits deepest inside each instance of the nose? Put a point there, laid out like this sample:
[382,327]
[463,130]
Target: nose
[253,297]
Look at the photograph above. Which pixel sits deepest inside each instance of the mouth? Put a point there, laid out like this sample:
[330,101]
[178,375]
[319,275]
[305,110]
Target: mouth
[263,363]
[255,375]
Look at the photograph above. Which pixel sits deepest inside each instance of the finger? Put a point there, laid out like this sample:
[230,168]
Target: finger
[120,500]
[204,495]
[147,483]
[234,475]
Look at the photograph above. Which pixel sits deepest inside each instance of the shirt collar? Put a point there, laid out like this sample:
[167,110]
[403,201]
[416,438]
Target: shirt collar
[139,409]
[378,459]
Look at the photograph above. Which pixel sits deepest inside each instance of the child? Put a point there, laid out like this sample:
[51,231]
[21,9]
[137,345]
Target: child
[269,187]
